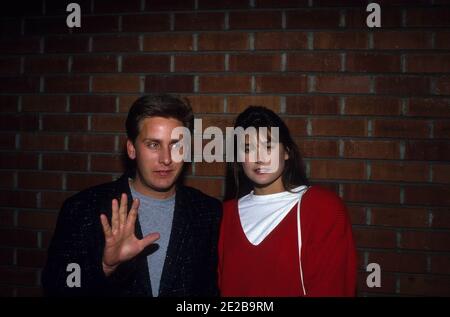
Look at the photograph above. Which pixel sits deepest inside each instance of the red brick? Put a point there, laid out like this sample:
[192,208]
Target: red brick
[402,40]
[428,17]
[427,150]
[89,103]
[441,173]
[107,6]
[281,40]
[222,41]
[441,129]
[45,25]
[199,21]
[312,19]
[168,42]
[224,84]
[20,122]
[115,43]
[281,84]
[82,181]
[46,65]
[116,83]
[442,40]
[125,102]
[222,4]
[66,84]
[237,104]
[210,169]
[64,162]
[94,64]
[221,122]
[18,238]
[145,63]
[375,193]
[91,143]
[297,126]
[37,220]
[43,142]
[19,84]
[44,103]
[20,45]
[7,218]
[357,214]
[443,85]
[9,103]
[342,84]
[388,285]
[281,3]
[210,186]
[318,148]
[428,63]
[372,105]
[399,217]
[99,24]
[317,61]
[7,179]
[7,141]
[64,123]
[440,218]
[332,169]
[206,104]
[18,276]
[6,256]
[375,238]
[31,258]
[312,105]
[107,163]
[19,161]
[109,123]
[401,171]
[372,149]
[402,85]
[372,63]
[255,63]
[255,20]
[401,128]
[341,127]
[428,107]
[146,23]
[39,180]
[440,264]
[199,63]
[9,66]
[425,240]
[399,262]
[53,199]
[156,5]
[436,195]
[356,18]
[66,44]
[340,40]
[176,84]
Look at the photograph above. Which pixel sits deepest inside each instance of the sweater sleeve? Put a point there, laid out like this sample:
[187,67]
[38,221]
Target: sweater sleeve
[328,250]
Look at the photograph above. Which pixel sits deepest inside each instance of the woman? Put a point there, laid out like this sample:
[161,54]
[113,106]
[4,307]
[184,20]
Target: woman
[282,237]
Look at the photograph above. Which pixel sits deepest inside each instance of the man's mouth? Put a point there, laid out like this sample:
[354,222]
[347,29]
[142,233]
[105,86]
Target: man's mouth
[163,173]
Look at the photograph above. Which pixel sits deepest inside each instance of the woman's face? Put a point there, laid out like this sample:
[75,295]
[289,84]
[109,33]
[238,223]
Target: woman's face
[259,162]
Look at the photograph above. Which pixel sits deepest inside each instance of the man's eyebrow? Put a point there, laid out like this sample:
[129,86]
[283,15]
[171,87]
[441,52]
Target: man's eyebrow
[159,141]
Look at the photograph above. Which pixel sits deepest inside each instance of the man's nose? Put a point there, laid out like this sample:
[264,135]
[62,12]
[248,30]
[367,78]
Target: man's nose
[165,156]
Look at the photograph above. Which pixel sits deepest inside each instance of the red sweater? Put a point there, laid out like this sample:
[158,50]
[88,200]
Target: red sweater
[328,254]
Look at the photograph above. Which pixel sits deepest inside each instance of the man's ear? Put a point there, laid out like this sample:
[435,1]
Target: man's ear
[131,150]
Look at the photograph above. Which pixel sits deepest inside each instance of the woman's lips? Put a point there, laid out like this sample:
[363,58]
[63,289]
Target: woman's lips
[261,171]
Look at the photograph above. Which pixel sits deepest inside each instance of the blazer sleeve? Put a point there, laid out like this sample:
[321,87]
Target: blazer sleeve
[75,240]
[328,252]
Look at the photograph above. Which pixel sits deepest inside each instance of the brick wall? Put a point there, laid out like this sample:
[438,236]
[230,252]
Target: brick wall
[369,108]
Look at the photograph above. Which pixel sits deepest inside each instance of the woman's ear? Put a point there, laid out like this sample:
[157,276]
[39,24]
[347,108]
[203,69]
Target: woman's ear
[131,150]
[286,153]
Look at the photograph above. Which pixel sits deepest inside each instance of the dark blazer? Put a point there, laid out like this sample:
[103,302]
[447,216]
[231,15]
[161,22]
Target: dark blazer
[190,268]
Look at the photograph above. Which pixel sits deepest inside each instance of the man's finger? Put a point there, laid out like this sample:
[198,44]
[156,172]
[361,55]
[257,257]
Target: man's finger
[115,215]
[132,215]
[149,239]
[105,225]
[123,210]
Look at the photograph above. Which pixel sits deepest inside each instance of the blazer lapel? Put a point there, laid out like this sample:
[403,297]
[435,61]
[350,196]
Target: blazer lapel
[179,237]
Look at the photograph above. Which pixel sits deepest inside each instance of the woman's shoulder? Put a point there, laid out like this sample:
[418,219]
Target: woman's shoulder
[229,205]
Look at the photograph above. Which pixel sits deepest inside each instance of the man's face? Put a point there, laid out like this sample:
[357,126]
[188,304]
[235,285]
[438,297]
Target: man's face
[156,172]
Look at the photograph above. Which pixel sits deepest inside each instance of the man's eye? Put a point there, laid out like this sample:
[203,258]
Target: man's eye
[153,145]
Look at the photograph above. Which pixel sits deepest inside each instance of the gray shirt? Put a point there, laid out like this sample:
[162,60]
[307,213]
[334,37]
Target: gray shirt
[156,215]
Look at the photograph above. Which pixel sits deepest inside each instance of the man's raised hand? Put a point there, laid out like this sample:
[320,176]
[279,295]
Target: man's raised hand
[121,243]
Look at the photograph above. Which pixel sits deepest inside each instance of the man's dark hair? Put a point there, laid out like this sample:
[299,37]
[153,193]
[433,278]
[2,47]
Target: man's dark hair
[293,174]
[164,105]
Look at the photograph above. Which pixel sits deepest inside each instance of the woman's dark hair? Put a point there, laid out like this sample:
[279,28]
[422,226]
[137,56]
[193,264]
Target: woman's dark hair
[293,174]
[165,105]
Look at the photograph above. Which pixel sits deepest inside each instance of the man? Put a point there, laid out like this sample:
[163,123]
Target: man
[167,249]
